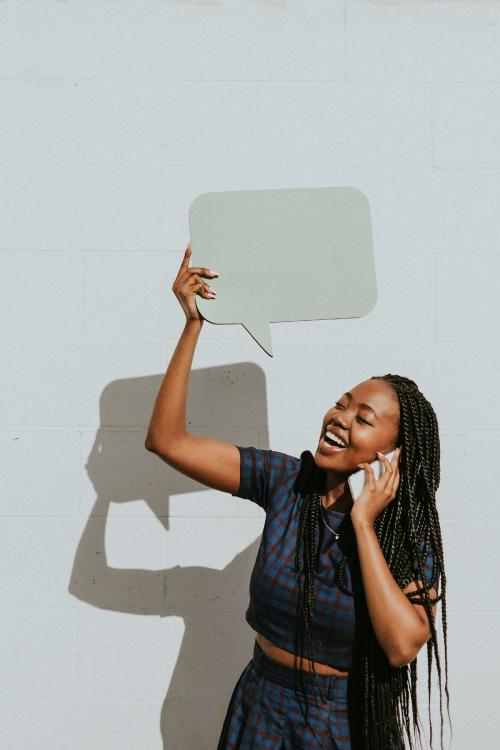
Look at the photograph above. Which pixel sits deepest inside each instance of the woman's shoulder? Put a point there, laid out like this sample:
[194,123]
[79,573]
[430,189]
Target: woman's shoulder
[268,458]
[267,473]
[307,476]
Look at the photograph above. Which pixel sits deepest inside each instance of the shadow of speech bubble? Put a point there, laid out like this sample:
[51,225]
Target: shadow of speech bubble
[284,255]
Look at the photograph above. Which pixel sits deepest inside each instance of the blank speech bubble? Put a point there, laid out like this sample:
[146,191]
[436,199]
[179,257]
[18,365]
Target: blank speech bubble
[284,255]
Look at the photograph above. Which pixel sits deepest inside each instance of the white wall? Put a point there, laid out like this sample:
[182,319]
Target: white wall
[123,583]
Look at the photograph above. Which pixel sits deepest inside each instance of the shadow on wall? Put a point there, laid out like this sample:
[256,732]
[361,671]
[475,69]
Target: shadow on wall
[217,641]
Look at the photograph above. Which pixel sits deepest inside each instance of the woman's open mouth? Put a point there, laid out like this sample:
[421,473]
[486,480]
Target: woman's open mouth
[331,444]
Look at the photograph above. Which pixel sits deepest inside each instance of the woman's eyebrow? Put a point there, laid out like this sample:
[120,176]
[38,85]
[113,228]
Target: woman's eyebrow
[367,406]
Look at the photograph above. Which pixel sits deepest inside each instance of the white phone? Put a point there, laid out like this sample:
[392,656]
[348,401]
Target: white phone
[357,480]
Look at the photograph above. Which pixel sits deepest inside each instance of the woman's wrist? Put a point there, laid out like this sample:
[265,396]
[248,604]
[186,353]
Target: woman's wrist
[195,323]
[360,521]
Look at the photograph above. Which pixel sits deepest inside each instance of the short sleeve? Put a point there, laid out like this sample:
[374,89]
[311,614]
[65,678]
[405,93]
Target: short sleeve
[426,549]
[260,472]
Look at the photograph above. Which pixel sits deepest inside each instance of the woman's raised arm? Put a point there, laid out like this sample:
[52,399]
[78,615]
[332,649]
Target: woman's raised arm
[211,462]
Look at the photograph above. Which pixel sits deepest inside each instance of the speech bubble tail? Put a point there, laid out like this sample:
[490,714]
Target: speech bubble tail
[261,332]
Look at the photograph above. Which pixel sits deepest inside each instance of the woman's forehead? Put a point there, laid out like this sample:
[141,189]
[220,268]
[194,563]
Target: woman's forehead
[377,394]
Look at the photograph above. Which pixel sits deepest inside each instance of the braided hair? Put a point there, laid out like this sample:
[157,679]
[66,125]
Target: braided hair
[406,526]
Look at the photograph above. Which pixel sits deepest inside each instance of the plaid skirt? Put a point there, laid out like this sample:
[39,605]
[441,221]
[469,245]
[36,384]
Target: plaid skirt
[265,711]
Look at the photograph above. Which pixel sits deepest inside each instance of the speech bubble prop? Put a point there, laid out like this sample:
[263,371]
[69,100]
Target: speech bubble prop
[284,255]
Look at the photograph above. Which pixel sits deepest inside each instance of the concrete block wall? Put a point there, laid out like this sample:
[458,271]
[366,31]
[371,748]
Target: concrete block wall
[124,584]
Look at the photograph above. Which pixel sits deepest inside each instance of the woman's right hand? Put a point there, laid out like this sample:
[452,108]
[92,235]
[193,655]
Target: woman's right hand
[188,283]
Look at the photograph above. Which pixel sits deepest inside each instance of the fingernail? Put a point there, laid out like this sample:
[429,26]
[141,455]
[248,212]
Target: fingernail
[216,273]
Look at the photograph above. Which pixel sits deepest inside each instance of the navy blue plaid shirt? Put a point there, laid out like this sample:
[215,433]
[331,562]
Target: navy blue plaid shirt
[277,483]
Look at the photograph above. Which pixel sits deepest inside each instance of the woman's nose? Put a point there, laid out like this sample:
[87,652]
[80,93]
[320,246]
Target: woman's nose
[341,420]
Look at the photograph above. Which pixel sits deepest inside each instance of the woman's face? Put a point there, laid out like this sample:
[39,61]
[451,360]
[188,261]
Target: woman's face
[367,421]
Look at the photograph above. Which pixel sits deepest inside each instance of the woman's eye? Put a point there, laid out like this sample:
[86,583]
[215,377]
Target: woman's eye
[360,419]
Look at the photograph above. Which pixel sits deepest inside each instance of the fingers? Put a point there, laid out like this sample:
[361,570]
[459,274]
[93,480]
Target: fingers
[393,464]
[187,275]
[201,287]
[196,280]
[202,271]
[391,472]
[369,476]
[185,262]
[187,256]
[183,266]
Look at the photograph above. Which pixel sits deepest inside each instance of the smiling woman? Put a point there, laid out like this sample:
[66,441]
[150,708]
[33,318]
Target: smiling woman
[359,424]
[342,594]
[357,584]
[398,553]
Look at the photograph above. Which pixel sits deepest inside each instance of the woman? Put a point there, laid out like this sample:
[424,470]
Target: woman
[343,595]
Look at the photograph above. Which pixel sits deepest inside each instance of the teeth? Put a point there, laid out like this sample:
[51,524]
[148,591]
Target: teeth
[335,439]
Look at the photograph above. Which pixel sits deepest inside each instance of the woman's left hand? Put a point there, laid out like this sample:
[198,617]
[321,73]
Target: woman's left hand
[377,493]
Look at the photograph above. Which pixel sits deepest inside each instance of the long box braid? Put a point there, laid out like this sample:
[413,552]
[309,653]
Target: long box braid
[382,696]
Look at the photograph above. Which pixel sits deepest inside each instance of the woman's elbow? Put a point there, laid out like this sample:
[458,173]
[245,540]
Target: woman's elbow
[401,659]
[404,656]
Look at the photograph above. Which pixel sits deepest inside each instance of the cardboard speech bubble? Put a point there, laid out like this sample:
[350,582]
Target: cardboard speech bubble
[284,255]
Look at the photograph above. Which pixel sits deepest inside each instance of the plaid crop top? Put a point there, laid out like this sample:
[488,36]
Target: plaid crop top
[277,483]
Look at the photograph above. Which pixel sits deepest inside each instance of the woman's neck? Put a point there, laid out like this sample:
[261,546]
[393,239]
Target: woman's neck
[337,495]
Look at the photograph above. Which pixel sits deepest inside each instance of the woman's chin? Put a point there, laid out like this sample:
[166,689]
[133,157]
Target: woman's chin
[333,461]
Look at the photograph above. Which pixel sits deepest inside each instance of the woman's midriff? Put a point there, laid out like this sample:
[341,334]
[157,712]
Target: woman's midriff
[288,660]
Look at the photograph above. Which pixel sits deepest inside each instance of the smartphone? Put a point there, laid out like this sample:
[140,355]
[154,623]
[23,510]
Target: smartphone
[357,480]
